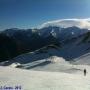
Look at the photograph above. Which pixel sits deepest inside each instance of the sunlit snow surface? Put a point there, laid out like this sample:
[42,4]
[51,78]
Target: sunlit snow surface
[54,74]
[42,80]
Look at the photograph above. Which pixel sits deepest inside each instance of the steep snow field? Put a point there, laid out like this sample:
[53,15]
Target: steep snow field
[39,80]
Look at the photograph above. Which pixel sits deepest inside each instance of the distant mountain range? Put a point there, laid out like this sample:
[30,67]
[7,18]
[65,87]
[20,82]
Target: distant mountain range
[71,41]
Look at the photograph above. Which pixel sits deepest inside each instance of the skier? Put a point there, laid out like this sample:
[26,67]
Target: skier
[85,72]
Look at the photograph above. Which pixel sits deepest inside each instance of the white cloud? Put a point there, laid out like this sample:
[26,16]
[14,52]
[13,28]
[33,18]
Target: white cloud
[81,23]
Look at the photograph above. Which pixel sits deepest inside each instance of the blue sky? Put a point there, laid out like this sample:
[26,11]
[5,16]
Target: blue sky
[31,13]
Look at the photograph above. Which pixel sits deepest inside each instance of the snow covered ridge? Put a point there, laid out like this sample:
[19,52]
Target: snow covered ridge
[64,23]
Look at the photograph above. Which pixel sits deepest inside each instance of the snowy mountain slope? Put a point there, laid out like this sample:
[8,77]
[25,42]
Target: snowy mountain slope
[52,67]
[62,33]
[69,50]
[38,80]
[65,28]
[32,56]
[32,39]
[43,62]
[83,60]
[72,42]
[52,64]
